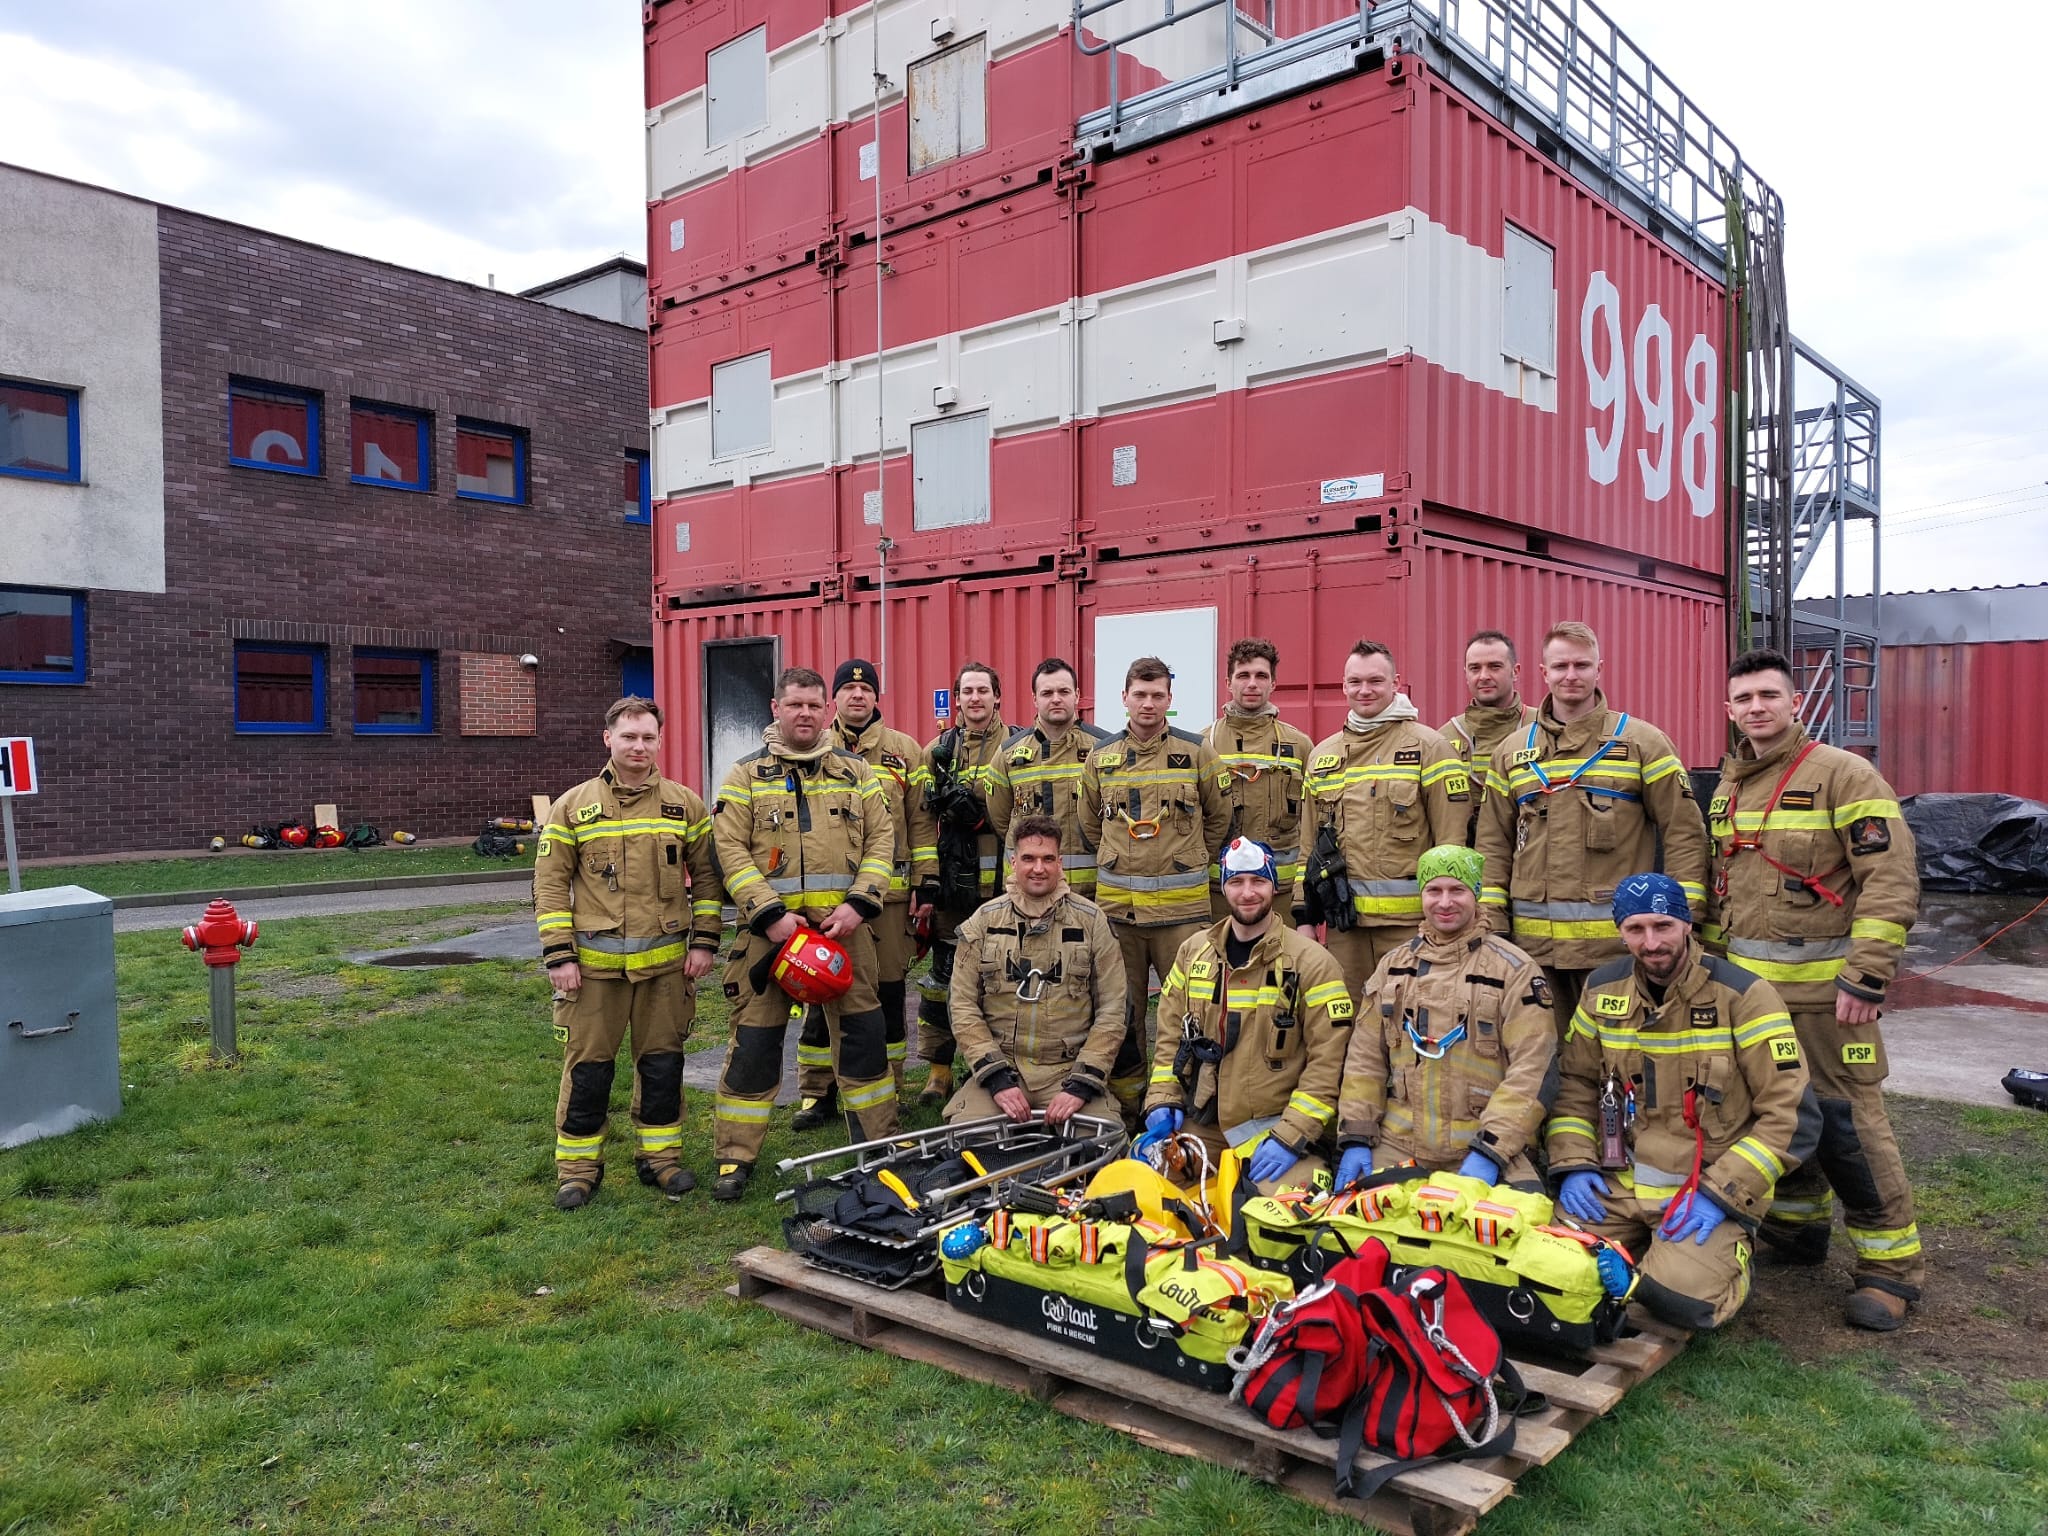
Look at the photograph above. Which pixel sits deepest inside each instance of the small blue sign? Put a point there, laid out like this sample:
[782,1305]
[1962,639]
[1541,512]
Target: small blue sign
[942,703]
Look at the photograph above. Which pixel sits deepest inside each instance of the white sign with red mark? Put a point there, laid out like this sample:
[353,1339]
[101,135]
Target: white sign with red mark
[18,766]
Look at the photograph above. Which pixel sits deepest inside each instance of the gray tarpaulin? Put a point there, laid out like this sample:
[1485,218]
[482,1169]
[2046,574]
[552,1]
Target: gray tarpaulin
[1980,843]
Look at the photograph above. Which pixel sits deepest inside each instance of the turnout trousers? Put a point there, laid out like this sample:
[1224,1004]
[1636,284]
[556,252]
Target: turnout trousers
[1687,1284]
[893,949]
[753,1062]
[1858,1161]
[934,1008]
[1144,950]
[1360,950]
[591,1022]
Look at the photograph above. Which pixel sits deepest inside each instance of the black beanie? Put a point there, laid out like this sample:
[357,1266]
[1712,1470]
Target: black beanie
[856,671]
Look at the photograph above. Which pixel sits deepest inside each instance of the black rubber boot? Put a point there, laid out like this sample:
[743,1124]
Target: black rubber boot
[813,1113]
[574,1194]
[732,1180]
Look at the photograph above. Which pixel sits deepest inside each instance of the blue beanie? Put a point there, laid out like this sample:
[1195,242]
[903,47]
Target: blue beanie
[1248,856]
[1660,894]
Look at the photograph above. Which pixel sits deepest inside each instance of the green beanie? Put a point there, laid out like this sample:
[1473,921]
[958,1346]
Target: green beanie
[1453,860]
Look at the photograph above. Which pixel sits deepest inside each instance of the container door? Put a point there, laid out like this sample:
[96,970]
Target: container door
[739,680]
[1183,638]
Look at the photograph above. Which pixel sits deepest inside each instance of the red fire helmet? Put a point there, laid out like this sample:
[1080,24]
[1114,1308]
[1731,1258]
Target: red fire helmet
[812,968]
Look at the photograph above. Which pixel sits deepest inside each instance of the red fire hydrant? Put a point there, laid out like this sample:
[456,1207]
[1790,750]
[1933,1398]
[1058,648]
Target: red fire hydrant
[220,936]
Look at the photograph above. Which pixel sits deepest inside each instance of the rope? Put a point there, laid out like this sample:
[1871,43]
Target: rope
[1959,959]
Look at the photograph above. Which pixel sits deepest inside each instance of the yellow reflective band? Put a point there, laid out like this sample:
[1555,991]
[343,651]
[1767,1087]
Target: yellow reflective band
[706,909]
[556,829]
[659,1138]
[1494,895]
[1885,1243]
[814,1055]
[1174,978]
[1799,1212]
[1163,1075]
[1387,906]
[1763,1027]
[1582,1024]
[1325,994]
[1310,1105]
[1547,928]
[578,1149]
[1878,928]
[1759,1157]
[555,919]
[1570,1125]
[858,1099]
[1858,810]
[1661,769]
[896,1050]
[1436,773]
[1660,1042]
[743,877]
[1247,998]
[1713,933]
[1694,891]
[1772,970]
[742,1111]
[639,960]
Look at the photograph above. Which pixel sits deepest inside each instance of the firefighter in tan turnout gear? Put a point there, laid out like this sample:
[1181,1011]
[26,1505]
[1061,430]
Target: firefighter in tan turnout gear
[1814,889]
[1381,792]
[1682,1100]
[1265,758]
[957,852]
[1253,1021]
[1154,808]
[1038,993]
[1453,1059]
[804,838]
[628,905]
[1493,676]
[1038,772]
[857,728]
[1575,803]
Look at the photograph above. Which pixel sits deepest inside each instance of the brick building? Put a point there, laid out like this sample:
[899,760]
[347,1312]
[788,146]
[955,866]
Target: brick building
[285,525]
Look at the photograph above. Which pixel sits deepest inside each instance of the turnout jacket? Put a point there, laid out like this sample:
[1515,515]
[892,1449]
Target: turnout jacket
[802,835]
[1473,735]
[895,758]
[1281,1020]
[1036,775]
[1264,759]
[1834,821]
[1061,950]
[621,872]
[1393,793]
[1721,1036]
[1481,1004]
[974,764]
[1570,812]
[1172,786]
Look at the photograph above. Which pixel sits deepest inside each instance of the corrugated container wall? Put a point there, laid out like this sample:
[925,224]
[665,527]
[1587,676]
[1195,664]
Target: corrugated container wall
[1965,718]
[1356,361]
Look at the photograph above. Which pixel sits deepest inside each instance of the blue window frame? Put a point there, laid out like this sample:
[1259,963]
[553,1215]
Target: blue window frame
[271,426]
[42,636]
[490,462]
[390,445]
[280,690]
[394,692]
[638,500]
[39,431]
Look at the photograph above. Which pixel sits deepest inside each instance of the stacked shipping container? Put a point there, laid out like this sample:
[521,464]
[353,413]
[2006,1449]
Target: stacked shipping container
[1352,361]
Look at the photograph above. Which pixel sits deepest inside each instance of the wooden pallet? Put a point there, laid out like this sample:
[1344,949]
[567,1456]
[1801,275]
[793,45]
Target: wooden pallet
[1445,1500]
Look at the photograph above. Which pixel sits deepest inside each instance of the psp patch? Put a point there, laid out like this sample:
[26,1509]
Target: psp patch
[1343,1009]
[1859,1053]
[1718,807]
[1612,1005]
[1457,786]
[1326,761]
[1869,834]
[543,848]
[1523,756]
[588,813]
[1785,1052]
[1201,970]
[1109,759]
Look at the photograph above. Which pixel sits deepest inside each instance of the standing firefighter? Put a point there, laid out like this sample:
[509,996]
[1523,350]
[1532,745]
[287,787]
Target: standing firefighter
[1038,772]
[1681,1102]
[1381,791]
[857,728]
[1153,806]
[956,871]
[1493,679]
[1253,1021]
[1265,758]
[1575,803]
[804,840]
[1038,998]
[1814,889]
[1453,1059]
[627,901]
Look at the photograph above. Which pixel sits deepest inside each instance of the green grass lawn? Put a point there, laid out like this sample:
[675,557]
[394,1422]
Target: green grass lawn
[326,1290]
[278,866]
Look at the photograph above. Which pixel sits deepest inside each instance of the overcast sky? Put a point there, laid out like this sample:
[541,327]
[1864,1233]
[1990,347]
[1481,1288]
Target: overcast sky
[502,138]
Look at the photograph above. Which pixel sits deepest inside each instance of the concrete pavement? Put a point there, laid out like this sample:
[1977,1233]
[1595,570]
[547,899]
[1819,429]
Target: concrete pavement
[318,903]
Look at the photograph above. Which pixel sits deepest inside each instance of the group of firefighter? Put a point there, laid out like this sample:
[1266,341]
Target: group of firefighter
[1512,946]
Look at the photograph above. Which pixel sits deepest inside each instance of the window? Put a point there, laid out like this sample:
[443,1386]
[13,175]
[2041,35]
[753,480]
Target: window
[272,427]
[638,501]
[394,693]
[490,462]
[389,445]
[42,636]
[742,406]
[736,87]
[636,673]
[280,690]
[949,471]
[1528,327]
[949,104]
[38,431]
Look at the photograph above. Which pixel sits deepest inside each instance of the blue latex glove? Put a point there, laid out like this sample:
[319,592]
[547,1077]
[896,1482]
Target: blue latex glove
[1580,1194]
[1160,1124]
[1699,1218]
[1270,1159]
[1478,1165]
[1615,1277]
[1354,1165]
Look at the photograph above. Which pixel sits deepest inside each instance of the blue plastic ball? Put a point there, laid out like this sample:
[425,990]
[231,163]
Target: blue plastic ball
[961,1242]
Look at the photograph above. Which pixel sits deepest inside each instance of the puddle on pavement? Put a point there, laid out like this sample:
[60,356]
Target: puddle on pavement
[426,957]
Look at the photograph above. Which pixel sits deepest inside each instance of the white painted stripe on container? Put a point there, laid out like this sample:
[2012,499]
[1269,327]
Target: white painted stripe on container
[1331,302]
[827,77]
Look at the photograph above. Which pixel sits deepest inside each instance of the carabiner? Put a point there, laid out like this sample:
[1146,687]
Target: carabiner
[1032,987]
[1142,828]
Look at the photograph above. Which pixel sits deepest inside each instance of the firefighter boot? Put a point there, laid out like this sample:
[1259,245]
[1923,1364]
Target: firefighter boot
[732,1180]
[813,1113]
[938,1087]
[1878,1310]
[574,1194]
[672,1181]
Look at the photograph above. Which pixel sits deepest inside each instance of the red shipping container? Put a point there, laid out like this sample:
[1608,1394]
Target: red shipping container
[1964,718]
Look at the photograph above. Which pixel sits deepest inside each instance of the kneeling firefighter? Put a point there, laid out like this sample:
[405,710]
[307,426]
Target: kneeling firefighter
[804,839]
[1253,1022]
[1454,1059]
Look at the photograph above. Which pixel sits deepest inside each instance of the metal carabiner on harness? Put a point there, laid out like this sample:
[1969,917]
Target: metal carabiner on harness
[1032,987]
[1142,827]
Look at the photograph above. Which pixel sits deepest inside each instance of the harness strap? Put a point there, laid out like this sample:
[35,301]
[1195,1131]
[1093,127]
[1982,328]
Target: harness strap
[1545,787]
[1737,843]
